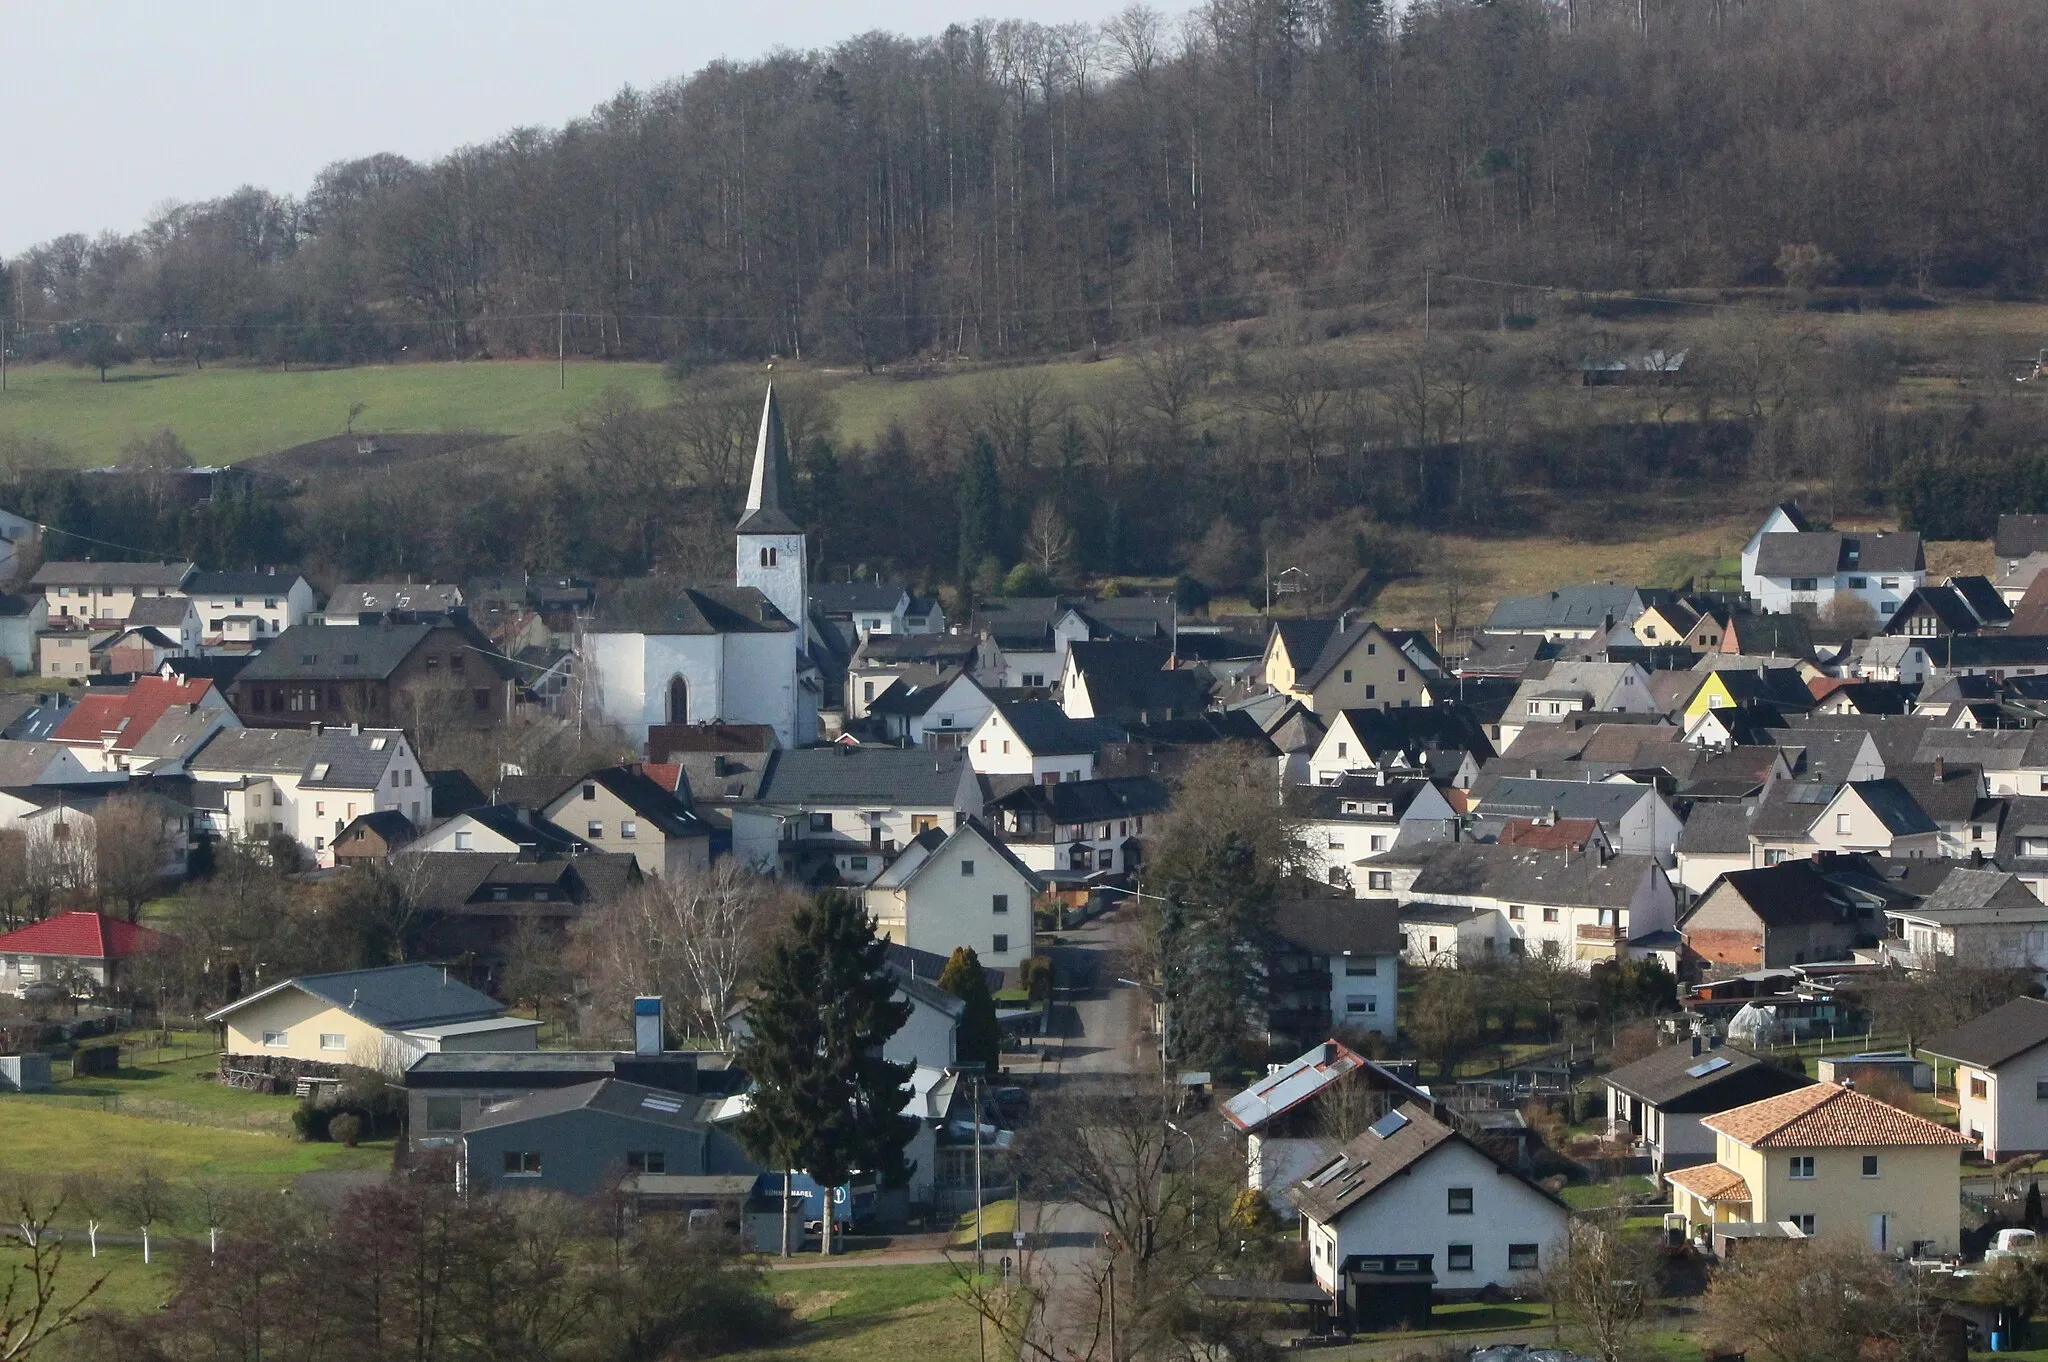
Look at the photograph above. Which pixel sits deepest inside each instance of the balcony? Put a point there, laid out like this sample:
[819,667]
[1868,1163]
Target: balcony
[1601,936]
[1316,981]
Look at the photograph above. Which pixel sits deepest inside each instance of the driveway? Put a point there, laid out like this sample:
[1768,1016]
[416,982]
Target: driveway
[1100,1026]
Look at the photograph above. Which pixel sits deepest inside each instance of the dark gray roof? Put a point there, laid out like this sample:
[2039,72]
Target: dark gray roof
[1674,1071]
[863,775]
[886,649]
[337,652]
[1999,1035]
[1021,623]
[1981,595]
[111,574]
[662,808]
[399,997]
[1715,830]
[1356,797]
[1975,897]
[1045,729]
[1823,553]
[1894,807]
[1588,606]
[919,989]
[454,792]
[2020,535]
[1524,798]
[1336,647]
[1129,678]
[655,1106]
[1506,654]
[1392,1146]
[389,824]
[1789,807]
[771,494]
[1130,617]
[1090,801]
[845,598]
[1529,875]
[1789,894]
[158,612]
[1948,796]
[255,751]
[353,760]
[1339,926]
[646,606]
[351,599]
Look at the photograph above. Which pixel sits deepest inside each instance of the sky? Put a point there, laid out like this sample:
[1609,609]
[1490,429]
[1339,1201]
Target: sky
[120,106]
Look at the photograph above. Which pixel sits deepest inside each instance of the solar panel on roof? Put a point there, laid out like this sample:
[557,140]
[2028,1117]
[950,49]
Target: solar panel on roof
[1388,1124]
[667,1105]
[1707,1066]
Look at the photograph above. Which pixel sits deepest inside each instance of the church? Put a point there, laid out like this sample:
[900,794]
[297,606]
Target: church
[739,654]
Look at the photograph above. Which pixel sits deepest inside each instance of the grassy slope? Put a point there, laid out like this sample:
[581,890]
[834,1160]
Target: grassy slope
[854,1314]
[224,414]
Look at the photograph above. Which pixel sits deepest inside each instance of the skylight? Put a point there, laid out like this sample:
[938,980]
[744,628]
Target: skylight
[320,769]
[377,744]
[1707,1066]
[1389,1124]
[668,1106]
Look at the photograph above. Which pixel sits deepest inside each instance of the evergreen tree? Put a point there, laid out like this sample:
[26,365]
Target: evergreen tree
[1215,938]
[824,1100]
[981,1037]
[2033,1212]
[981,507]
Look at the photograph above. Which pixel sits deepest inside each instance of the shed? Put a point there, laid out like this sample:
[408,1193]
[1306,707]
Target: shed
[1849,1070]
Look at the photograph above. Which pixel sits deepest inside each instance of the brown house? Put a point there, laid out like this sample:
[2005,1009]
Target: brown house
[1780,915]
[410,675]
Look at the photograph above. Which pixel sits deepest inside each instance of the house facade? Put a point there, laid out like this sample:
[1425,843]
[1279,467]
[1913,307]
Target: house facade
[958,887]
[2001,1077]
[373,1018]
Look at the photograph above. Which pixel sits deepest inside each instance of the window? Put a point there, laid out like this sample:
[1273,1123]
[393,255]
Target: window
[333,1040]
[1550,914]
[1460,1258]
[276,1040]
[1841,825]
[1400,673]
[1360,1006]
[1461,1201]
[1382,880]
[522,1163]
[1516,912]
[1858,583]
[821,822]
[462,841]
[481,697]
[593,828]
[1001,944]
[1522,1257]
[768,557]
[1379,844]
[1804,1222]
[1979,1089]
[629,828]
[1360,967]
[1347,676]
[1343,749]
[444,1113]
[2041,1090]
[647,1161]
[590,789]
[1888,583]
[1371,691]
[966,870]
[1870,1165]
[433,662]
[1803,583]
[1372,649]
[999,903]
[1802,1166]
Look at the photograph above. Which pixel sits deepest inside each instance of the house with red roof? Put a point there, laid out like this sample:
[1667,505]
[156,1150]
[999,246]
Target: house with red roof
[118,730]
[83,952]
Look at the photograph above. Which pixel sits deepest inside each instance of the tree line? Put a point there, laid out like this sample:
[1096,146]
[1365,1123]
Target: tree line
[1007,187]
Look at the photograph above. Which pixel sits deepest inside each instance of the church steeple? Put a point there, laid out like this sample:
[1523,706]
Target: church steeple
[772,555]
[771,500]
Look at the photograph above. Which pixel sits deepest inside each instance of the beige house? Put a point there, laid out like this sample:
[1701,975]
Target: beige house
[80,591]
[619,808]
[1332,665]
[67,652]
[962,888]
[370,1018]
[1829,1163]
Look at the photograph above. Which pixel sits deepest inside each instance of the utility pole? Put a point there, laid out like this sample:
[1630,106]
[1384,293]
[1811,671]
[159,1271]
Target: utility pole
[561,353]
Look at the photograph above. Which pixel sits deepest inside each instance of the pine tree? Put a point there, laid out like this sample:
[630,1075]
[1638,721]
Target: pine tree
[981,507]
[824,1100]
[1216,936]
[981,1038]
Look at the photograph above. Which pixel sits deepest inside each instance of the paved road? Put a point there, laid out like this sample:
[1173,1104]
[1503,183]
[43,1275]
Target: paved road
[1100,1025]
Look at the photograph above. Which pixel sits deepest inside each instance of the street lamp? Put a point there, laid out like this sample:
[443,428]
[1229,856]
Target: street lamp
[1189,1135]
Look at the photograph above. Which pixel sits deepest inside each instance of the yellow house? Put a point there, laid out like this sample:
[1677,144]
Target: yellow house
[1331,665]
[1733,687]
[371,1018]
[1833,1164]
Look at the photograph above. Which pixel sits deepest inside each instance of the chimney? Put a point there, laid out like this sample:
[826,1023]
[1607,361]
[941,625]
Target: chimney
[647,1026]
[355,730]
[317,726]
[1940,772]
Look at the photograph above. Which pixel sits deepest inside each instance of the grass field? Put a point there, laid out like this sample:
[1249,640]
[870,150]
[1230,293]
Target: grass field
[872,1314]
[224,414]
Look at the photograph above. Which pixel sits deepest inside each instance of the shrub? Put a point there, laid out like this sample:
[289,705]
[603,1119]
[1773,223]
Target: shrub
[309,1122]
[1035,974]
[345,1127]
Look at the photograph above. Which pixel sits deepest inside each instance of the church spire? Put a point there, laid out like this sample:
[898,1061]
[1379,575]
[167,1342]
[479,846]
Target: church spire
[771,504]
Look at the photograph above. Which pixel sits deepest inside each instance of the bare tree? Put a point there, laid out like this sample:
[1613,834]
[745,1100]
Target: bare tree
[1173,375]
[1048,542]
[693,938]
[39,1300]
[1820,1301]
[1603,1286]
[130,844]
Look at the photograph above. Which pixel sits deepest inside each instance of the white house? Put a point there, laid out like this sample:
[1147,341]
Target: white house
[21,619]
[738,655]
[850,806]
[1576,906]
[1551,692]
[1818,569]
[1283,1116]
[310,783]
[1440,741]
[1411,1199]
[956,888]
[1987,919]
[1336,963]
[1035,738]
[264,604]
[1363,817]
[940,714]
[1785,518]
[1025,640]
[1079,828]
[2001,1062]
[1636,818]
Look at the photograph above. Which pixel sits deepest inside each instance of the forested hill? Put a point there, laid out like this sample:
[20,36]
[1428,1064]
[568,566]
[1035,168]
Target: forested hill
[1008,187]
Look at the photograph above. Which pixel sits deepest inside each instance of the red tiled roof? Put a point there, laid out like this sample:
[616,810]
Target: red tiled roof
[1827,1115]
[1824,686]
[127,715]
[667,774]
[1563,834]
[85,936]
[1711,1182]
